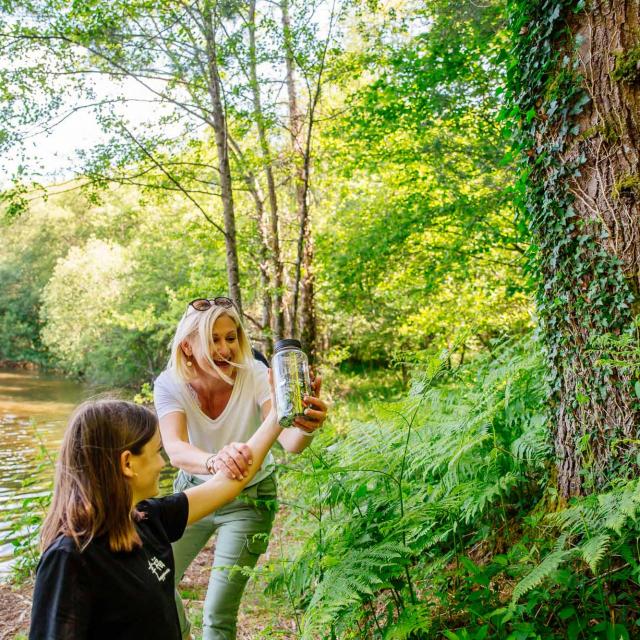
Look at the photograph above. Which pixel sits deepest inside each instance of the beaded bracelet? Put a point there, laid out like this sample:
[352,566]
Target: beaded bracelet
[210,469]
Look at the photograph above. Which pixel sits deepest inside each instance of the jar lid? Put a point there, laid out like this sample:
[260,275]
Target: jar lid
[287,343]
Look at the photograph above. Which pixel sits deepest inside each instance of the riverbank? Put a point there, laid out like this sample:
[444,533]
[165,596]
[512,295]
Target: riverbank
[15,608]
[19,366]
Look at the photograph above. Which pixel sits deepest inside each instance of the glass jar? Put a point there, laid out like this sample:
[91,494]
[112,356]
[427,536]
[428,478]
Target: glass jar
[291,380]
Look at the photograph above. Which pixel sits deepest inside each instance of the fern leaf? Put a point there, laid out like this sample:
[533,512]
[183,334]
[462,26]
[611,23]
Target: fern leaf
[593,550]
[413,619]
[541,572]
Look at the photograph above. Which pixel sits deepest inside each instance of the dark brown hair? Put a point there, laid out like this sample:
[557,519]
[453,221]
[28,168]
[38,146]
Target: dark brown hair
[91,495]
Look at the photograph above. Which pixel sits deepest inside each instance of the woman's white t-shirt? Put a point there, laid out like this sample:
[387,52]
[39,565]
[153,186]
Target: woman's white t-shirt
[237,423]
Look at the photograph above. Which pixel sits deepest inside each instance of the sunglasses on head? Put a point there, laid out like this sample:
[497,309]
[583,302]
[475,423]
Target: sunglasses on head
[202,304]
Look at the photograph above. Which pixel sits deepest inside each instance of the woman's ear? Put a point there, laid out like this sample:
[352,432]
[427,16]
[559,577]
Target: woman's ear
[186,348]
[125,464]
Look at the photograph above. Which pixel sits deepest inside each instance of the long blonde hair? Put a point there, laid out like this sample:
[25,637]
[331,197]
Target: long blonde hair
[198,325]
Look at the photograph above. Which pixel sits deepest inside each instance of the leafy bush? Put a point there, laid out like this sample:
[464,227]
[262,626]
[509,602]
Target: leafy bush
[26,519]
[439,518]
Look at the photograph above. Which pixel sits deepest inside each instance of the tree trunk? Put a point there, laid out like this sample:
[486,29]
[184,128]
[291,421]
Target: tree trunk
[266,337]
[274,244]
[308,323]
[303,317]
[583,206]
[220,133]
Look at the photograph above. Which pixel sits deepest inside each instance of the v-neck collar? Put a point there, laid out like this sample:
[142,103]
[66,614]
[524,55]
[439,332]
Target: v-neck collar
[193,398]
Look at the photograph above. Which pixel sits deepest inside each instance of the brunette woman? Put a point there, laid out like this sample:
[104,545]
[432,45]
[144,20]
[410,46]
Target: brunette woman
[107,571]
[210,399]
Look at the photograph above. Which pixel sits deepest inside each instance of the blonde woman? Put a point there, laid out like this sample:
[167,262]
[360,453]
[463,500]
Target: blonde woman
[107,569]
[211,398]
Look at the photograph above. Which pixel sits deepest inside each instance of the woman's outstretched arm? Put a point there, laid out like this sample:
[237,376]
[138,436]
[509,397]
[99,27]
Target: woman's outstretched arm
[220,490]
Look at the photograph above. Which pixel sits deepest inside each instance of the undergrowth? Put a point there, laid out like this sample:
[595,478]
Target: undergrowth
[438,517]
[26,518]
[435,515]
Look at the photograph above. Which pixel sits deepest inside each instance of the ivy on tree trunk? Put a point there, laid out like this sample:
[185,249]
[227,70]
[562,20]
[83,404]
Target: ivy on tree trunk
[577,105]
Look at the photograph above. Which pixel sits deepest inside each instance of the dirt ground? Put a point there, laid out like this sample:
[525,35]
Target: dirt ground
[258,618]
[15,605]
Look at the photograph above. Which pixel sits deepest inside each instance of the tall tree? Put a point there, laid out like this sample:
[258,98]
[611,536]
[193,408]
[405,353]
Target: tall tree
[170,50]
[208,21]
[271,232]
[197,65]
[575,82]
[303,314]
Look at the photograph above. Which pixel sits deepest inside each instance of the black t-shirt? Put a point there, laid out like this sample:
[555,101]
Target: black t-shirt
[97,594]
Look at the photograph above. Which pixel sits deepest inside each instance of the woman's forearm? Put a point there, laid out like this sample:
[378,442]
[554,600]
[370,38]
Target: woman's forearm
[294,441]
[175,439]
[188,457]
[213,494]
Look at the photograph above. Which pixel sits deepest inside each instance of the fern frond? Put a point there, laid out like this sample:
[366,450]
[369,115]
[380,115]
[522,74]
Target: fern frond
[413,619]
[617,507]
[541,572]
[593,550]
[533,445]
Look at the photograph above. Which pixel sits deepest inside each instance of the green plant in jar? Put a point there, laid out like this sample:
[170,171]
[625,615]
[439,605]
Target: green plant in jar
[292,380]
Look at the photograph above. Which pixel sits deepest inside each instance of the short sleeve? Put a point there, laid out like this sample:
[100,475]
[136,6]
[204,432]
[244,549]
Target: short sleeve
[62,596]
[165,396]
[261,382]
[171,513]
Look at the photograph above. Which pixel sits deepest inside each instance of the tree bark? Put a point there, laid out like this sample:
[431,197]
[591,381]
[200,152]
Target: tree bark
[303,317]
[220,133]
[596,414]
[273,238]
[263,244]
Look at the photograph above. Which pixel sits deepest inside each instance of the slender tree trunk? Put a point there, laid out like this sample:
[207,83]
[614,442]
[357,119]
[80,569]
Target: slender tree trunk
[274,237]
[591,272]
[303,315]
[220,133]
[263,244]
[308,321]
[266,319]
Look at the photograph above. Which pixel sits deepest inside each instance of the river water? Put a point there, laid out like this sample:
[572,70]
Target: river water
[34,409]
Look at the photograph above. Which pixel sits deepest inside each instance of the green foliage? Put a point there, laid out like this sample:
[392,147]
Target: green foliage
[627,66]
[622,351]
[438,515]
[406,132]
[625,186]
[25,521]
[397,499]
[420,248]
[80,298]
[541,572]
[34,244]
[25,536]
[96,289]
[582,290]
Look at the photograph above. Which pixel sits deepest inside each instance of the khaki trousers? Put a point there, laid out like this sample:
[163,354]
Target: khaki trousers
[243,528]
